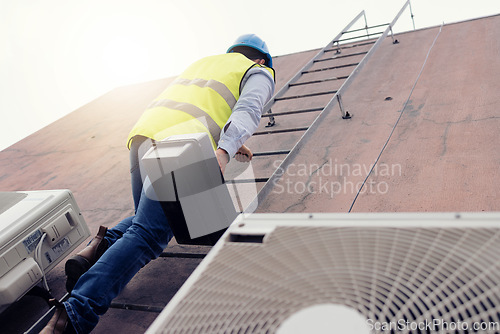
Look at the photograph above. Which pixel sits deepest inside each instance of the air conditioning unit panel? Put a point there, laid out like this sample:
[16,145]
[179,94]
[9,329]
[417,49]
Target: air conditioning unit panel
[393,269]
[19,280]
[38,229]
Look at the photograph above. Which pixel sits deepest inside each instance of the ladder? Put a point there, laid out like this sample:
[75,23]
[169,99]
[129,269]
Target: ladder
[340,61]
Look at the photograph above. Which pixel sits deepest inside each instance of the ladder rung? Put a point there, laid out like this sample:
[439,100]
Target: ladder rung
[350,46]
[262,154]
[318,81]
[282,113]
[185,255]
[136,307]
[269,132]
[305,95]
[330,68]
[361,36]
[342,56]
[258,179]
[360,29]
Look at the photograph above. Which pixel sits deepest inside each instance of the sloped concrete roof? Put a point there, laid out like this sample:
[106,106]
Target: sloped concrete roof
[442,156]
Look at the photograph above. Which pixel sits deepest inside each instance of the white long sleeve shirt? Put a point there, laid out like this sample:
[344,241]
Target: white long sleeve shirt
[258,88]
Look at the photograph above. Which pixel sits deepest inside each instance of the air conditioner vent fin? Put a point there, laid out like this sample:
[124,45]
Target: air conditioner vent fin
[387,274]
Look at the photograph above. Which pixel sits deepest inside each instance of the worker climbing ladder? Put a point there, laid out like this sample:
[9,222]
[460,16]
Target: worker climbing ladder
[296,110]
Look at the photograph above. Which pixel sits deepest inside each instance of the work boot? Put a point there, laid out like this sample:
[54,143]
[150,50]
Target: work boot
[78,264]
[59,323]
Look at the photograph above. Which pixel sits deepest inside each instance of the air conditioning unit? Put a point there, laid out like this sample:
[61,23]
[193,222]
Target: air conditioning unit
[38,229]
[345,273]
[184,175]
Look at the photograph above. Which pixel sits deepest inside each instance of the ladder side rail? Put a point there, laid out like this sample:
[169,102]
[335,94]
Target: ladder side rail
[285,87]
[276,176]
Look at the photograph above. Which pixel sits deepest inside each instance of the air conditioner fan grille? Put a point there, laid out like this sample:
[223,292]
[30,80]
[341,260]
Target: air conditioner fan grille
[387,274]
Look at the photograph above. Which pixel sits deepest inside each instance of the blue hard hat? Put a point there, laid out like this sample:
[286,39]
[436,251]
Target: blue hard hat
[255,42]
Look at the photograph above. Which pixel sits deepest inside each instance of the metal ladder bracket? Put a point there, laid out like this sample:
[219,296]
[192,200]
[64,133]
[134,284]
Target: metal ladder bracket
[271,121]
[345,114]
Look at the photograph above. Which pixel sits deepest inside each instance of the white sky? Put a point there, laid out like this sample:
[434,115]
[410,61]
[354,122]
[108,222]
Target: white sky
[57,55]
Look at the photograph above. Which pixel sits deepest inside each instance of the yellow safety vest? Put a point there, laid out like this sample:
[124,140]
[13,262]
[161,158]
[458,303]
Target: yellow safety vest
[201,99]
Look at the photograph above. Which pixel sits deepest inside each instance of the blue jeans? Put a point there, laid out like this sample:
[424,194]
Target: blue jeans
[132,244]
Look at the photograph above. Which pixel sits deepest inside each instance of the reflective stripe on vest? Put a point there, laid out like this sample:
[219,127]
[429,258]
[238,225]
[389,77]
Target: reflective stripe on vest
[219,87]
[193,111]
[204,94]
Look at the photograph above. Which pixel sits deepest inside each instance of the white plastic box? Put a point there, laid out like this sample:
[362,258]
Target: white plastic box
[345,273]
[51,217]
[184,169]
